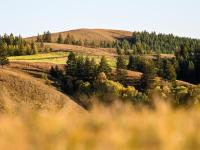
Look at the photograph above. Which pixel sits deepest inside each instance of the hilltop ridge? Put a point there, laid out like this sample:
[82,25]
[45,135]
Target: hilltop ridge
[96,35]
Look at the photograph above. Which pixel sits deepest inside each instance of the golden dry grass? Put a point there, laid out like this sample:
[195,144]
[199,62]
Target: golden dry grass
[116,128]
[96,35]
[22,87]
[109,52]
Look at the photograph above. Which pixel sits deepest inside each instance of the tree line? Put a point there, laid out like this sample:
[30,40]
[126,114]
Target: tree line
[16,46]
[161,43]
[84,76]
[184,66]
[139,43]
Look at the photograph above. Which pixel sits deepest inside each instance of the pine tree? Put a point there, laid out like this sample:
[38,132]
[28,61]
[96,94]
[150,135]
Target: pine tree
[60,39]
[125,45]
[121,68]
[191,72]
[67,39]
[197,63]
[119,50]
[71,65]
[104,66]
[80,71]
[170,72]
[90,69]
[3,58]
[34,49]
[94,68]
[39,38]
[47,37]
[149,75]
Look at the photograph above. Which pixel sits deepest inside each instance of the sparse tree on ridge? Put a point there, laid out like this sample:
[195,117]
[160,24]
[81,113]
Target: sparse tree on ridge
[60,39]
[3,58]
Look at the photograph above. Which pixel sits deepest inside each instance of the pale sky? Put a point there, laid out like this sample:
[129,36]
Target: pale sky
[29,17]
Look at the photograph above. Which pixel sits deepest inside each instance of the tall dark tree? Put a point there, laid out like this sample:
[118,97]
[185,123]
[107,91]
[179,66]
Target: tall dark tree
[191,72]
[3,58]
[39,38]
[169,71]
[90,69]
[34,48]
[71,65]
[197,63]
[60,39]
[47,37]
[80,68]
[149,75]
[104,66]
[121,68]
[136,63]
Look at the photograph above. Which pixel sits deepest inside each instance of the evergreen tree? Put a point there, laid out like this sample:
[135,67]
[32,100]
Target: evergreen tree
[3,58]
[136,63]
[39,38]
[71,65]
[121,68]
[170,72]
[47,37]
[191,72]
[90,69]
[56,72]
[197,63]
[80,68]
[104,66]
[34,48]
[119,50]
[125,45]
[60,39]
[149,75]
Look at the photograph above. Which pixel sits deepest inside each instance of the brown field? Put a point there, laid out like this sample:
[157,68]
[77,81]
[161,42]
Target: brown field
[90,35]
[22,83]
[109,52]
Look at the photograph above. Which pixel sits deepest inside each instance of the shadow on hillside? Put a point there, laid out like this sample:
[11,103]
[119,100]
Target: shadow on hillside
[34,72]
[128,38]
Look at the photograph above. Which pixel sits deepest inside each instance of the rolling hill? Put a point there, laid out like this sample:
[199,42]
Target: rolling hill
[90,35]
[20,83]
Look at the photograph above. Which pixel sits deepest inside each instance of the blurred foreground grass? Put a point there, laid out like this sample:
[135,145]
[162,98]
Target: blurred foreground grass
[120,127]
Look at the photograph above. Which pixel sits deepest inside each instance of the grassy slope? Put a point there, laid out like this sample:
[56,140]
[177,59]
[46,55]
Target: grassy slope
[58,57]
[18,83]
[109,52]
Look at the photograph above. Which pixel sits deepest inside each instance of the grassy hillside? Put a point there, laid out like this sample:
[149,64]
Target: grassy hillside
[92,35]
[58,57]
[22,83]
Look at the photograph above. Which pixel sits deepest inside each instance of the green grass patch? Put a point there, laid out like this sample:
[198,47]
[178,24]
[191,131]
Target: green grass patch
[55,57]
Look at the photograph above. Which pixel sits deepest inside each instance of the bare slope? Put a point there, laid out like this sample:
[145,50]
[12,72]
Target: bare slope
[109,52]
[21,87]
[92,34]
